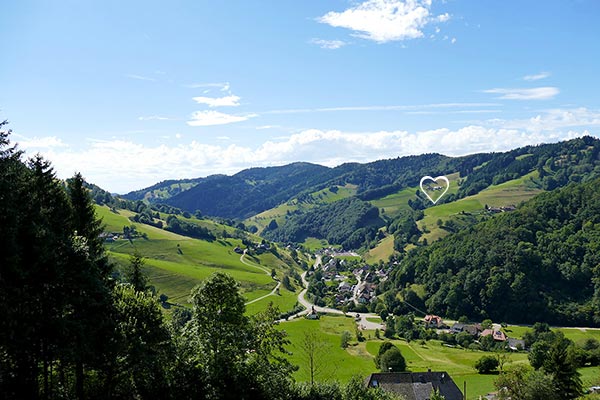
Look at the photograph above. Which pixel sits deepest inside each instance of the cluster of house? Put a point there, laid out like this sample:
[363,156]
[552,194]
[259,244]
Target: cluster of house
[496,210]
[475,330]
[333,252]
[361,293]
[109,237]
[258,248]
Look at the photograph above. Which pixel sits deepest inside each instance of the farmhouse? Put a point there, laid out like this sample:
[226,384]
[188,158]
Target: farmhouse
[498,336]
[416,385]
[344,287]
[433,321]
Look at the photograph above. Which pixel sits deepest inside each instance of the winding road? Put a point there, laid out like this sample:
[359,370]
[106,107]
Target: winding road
[362,322]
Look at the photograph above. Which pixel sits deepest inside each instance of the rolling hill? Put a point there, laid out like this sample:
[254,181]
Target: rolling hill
[290,196]
[175,263]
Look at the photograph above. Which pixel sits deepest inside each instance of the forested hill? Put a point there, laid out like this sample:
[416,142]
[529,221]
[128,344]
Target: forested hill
[539,263]
[162,190]
[250,191]
[255,190]
[346,222]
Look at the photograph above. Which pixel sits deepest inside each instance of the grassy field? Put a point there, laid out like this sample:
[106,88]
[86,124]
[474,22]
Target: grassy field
[383,251]
[175,264]
[396,202]
[286,300]
[313,244]
[340,364]
[278,213]
[508,193]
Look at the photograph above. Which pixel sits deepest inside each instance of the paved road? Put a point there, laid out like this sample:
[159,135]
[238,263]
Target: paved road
[363,323]
[273,292]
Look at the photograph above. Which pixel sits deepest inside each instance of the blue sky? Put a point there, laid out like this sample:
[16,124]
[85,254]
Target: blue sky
[134,92]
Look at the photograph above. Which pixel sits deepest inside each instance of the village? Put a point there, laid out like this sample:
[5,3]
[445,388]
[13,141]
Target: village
[345,284]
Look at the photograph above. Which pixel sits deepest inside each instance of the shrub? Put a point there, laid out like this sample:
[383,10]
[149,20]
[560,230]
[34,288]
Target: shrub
[486,364]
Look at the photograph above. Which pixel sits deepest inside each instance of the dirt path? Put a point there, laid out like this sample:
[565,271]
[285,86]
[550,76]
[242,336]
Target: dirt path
[273,292]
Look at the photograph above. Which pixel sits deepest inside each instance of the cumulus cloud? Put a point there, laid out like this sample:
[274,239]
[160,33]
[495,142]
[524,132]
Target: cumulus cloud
[539,93]
[41,143]
[385,20]
[536,77]
[226,101]
[552,120]
[122,165]
[209,118]
[328,44]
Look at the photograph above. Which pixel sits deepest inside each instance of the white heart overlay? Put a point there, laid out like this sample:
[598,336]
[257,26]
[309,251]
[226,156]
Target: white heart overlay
[443,178]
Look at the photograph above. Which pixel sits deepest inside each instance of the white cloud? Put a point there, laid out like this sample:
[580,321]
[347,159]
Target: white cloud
[409,107]
[154,118]
[453,40]
[536,77]
[442,18]
[226,101]
[385,20]
[539,93]
[122,165]
[223,86]
[41,143]
[208,118]
[262,127]
[553,120]
[328,44]
[223,138]
[140,77]
[178,135]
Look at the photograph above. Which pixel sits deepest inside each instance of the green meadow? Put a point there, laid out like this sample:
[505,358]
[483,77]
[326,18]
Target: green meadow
[505,194]
[313,199]
[175,264]
[339,364]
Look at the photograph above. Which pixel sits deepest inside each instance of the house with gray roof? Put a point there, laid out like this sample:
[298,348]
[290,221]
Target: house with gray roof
[416,385]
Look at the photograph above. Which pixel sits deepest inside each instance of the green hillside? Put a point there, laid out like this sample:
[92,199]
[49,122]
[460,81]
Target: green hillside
[462,212]
[341,364]
[162,191]
[301,203]
[538,263]
[175,263]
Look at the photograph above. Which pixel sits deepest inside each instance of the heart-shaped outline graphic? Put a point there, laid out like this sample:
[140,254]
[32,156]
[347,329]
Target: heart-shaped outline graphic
[442,177]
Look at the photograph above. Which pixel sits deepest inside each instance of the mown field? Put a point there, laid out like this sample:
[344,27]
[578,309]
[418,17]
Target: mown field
[508,193]
[278,213]
[339,364]
[175,264]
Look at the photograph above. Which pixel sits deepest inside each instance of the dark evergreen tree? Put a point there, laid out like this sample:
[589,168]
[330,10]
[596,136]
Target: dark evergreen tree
[561,366]
[134,274]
